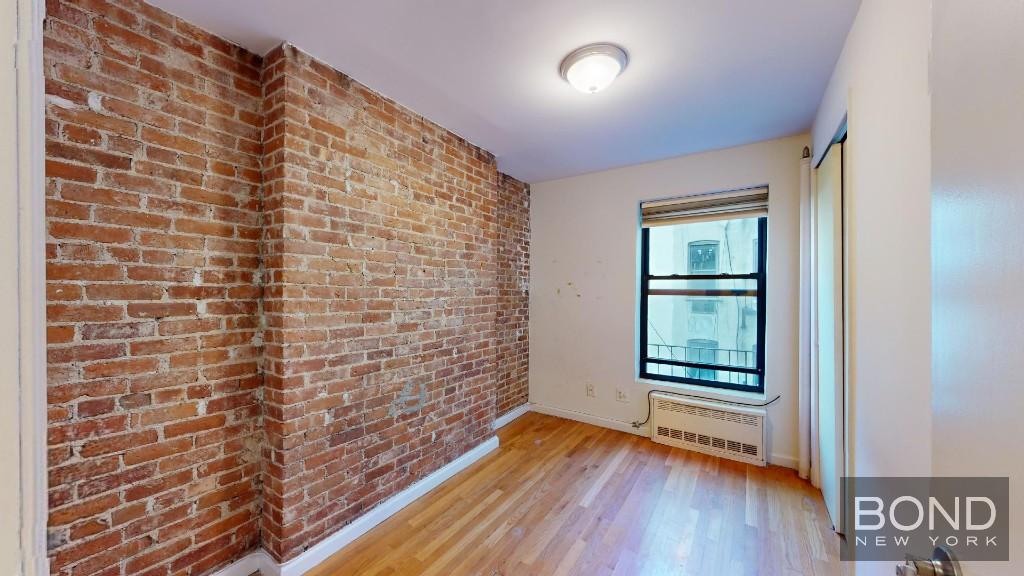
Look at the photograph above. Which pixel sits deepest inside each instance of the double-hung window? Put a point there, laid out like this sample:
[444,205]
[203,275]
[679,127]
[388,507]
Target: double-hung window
[702,289]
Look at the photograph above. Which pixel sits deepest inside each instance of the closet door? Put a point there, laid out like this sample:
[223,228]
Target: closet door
[829,281]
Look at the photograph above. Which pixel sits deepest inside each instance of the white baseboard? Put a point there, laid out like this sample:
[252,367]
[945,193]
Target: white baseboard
[261,561]
[335,542]
[256,561]
[784,461]
[511,415]
[589,419]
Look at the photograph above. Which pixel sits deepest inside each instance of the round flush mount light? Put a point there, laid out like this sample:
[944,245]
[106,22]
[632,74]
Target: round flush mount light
[594,67]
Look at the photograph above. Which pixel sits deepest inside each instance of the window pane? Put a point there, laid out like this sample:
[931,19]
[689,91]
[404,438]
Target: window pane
[717,247]
[719,330]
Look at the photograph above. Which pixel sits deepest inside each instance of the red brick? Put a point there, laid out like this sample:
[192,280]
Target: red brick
[83,509]
[118,331]
[123,292]
[83,313]
[87,155]
[161,310]
[132,218]
[193,426]
[85,353]
[92,232]
[63,170]
[157,485]
[157,451]
[80,271]
[241,247]
[121,367]
[103,196]
[109,444]
[169,413]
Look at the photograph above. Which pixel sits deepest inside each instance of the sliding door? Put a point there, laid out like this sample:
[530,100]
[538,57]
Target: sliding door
[829,281]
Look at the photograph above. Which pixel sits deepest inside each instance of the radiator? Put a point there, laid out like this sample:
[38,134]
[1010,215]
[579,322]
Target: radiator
[734,432]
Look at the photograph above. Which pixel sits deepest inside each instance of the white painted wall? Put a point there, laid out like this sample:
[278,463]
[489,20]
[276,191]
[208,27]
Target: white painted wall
[22,341]
[978,250]
[10,484]
[881,80]
[584,284]
[880,85]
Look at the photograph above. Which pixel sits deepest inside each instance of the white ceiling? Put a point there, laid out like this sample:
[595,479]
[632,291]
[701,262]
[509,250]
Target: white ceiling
[703,74]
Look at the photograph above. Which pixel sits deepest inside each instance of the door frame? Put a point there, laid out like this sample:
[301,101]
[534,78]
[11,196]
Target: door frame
[22,290]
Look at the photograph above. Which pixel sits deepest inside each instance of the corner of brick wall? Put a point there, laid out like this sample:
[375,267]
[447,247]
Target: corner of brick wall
[275,298]
[396,298]
[513,313]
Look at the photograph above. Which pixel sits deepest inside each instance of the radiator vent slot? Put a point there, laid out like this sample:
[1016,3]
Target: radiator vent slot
[713,413]
[720,443]
[735,434]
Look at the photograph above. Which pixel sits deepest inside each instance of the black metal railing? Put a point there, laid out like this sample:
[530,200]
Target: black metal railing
[723,357]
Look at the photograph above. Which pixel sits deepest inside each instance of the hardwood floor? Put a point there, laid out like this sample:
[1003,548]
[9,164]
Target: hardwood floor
[561,497]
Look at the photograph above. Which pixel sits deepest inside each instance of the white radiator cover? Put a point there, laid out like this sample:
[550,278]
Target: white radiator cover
[716,428]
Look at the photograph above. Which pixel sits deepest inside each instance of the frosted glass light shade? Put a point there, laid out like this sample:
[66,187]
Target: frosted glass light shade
[593,68]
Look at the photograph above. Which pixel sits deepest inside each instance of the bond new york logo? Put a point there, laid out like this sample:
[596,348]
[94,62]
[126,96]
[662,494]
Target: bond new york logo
[893,518]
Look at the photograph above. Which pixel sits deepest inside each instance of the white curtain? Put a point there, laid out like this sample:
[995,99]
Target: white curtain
[808,465]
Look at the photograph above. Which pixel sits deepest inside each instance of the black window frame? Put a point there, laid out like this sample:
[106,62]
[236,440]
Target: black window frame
[760,275]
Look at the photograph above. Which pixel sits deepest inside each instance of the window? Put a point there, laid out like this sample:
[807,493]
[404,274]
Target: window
[704,257]
[702,300]
[701,351]
[704,306]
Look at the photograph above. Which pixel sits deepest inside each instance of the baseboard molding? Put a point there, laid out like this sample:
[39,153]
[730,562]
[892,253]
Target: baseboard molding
[784,461]
[335,542]
[508,417]
[589,419]
[262,562]
[256,561]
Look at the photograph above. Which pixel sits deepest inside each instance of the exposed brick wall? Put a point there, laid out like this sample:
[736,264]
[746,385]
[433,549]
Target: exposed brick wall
[513,313]
[386,266]
[153,174]
[275,298]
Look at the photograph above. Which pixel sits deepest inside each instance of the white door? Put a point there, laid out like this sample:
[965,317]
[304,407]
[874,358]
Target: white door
[829,301]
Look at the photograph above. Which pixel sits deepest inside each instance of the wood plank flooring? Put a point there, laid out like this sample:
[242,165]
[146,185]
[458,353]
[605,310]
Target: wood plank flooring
[565,498]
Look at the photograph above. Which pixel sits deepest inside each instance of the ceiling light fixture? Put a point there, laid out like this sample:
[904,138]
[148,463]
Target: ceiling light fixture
[594,67]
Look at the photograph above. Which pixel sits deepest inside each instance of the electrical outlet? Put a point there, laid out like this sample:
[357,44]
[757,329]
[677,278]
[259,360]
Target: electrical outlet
[621,395]
[590,390]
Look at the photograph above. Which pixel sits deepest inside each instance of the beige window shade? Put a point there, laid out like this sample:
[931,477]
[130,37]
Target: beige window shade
[746,203]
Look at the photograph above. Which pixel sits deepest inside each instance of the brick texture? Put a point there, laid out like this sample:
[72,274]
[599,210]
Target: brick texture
[513,312]
[153,214]
[387,261]
[275,298]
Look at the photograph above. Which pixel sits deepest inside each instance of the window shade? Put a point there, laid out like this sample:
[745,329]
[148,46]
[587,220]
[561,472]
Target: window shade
[746,203]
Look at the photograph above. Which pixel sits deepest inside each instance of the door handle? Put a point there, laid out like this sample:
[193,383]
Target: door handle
[942,563]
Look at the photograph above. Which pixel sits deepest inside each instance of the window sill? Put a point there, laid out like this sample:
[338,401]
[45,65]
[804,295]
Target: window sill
[704,391]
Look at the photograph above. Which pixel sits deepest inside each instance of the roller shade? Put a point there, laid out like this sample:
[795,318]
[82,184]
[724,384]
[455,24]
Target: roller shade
[746,203]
